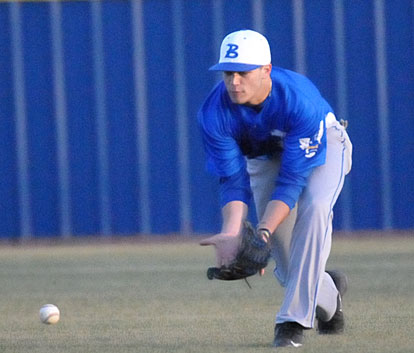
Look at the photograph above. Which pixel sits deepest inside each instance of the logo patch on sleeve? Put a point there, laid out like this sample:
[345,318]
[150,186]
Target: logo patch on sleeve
[310,146]
[307,145]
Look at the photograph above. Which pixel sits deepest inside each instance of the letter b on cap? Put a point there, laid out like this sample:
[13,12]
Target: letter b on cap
[232,51]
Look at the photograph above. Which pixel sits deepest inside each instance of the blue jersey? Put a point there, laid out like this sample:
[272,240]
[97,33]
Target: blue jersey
[294,111]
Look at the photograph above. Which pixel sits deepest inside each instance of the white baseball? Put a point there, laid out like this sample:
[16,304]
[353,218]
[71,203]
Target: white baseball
[49,314]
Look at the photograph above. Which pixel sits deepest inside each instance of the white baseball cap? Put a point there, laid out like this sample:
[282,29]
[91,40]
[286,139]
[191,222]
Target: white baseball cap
[243,50]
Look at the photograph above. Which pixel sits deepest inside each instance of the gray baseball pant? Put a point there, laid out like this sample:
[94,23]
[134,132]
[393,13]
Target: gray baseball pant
[302,243]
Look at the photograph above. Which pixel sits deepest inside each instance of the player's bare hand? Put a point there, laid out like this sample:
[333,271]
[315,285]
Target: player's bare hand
[226,246]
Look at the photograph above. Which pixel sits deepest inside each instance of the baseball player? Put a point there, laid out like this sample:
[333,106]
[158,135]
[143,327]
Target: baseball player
[268,133]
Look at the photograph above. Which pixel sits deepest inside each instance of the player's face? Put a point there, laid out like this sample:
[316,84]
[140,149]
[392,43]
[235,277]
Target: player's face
[248,87]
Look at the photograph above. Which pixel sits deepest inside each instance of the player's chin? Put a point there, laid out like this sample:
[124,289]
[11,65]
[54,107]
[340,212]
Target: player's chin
[238,99]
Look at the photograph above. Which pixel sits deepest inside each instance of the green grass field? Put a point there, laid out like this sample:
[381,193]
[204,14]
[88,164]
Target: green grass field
[155,297]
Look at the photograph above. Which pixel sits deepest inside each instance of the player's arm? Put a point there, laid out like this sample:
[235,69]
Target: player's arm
[235,194]
[224,159]
[233,213]
[275,213]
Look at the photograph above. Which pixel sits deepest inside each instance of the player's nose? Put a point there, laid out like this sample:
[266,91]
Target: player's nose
[235,79]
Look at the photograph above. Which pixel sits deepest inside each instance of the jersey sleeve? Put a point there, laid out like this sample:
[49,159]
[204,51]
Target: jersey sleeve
[235,188]
[304,146]
[224,157]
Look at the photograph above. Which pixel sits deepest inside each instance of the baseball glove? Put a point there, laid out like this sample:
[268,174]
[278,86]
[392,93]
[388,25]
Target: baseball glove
[252,256]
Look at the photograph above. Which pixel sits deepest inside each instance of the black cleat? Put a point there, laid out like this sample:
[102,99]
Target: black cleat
[288,334]
[335,325]
[340,280]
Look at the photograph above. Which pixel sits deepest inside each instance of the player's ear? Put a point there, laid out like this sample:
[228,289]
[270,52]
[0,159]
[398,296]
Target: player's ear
[266,69]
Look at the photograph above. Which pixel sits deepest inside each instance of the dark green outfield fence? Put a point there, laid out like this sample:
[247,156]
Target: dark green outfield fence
[98,104]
